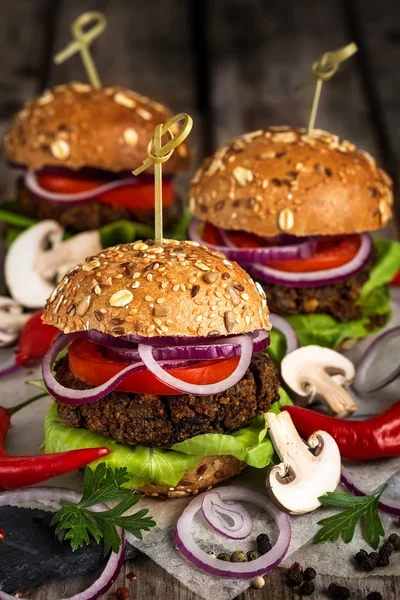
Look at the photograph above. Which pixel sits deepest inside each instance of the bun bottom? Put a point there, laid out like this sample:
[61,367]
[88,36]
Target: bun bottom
[211,470]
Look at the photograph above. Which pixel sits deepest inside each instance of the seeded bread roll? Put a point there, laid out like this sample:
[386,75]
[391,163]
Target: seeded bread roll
[211,470]
[75,125]
[176,289]
[287,181]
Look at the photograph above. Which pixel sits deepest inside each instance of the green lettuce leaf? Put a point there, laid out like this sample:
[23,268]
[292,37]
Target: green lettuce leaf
[277,346]
[161,465]
[124,232]
[374,299]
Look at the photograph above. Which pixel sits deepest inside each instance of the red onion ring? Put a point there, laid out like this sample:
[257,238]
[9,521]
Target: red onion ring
[220,348]
[214,509]
[246,570]
[131,341]
[367,360]
[391,507]
[317,278]
[33,185]
[246,344]
[278,322]
[50,494]
[10,369]
[304,249]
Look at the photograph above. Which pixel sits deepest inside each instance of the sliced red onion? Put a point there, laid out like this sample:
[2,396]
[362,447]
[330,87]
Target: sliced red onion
[391,507]
[34,186]
[9,369]
[46,495]
[366,380]
[245,570]
[220,348]
[278,322]
[246,344]
[303,249]
[219,514]
[317,278]
[131,341]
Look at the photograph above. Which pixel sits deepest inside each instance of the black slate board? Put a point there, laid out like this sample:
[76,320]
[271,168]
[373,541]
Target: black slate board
[30,555]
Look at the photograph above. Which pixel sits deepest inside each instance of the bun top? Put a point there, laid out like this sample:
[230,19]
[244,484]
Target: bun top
[285,180]
[176,289]
[75,125]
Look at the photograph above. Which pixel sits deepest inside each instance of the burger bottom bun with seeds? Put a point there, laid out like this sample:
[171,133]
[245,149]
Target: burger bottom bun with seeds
[173,289]
[210,471]
[285,180]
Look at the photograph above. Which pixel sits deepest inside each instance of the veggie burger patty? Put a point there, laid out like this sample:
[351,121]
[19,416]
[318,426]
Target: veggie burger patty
[152,420]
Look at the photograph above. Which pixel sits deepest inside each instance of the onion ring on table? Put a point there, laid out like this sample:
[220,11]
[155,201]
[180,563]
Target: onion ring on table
[391,507]
[244,570]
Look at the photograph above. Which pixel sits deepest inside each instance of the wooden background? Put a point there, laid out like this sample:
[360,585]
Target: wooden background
[232,64]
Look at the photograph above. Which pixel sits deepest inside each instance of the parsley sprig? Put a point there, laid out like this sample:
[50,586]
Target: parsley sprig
[78,524]
[358,508]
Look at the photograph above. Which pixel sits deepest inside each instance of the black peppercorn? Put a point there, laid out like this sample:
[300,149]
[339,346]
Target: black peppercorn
[263,543]
[338,591]
[307,588]
[309,574]
[360,556]
[295,579]
[383,560]
[394,539]
[374,596]
[371,561]
[387,548]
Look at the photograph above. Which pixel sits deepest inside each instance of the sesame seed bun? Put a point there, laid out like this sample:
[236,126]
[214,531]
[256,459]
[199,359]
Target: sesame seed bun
[75,125]
[211,470]
[173,289]
[287,181]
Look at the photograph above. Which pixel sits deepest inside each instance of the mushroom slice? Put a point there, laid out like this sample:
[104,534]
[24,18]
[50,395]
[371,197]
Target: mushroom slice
[314,371]
[306,471]
[39,257]
[12,320]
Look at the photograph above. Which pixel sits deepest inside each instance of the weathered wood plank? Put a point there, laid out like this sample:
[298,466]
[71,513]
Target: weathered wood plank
[154,582]
[23,42]
[261,50]
[377,24]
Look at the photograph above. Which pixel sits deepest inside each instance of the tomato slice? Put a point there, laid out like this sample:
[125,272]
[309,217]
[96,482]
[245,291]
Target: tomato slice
[396,279]
[331,252]
[139,197]
[87,362]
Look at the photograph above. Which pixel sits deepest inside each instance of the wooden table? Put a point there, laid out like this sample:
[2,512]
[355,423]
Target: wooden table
[232,64]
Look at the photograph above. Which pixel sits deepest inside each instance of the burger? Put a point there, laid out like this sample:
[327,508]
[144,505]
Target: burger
[78,146]
[165,365]
[295,208]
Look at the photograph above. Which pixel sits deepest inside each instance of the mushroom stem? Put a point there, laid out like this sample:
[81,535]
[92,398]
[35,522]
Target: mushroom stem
[12,320]
[302,476]
[334,394]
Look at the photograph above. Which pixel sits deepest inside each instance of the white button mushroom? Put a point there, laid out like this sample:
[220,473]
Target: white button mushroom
[317,372]
[12,319]
[302,476]
[38,258]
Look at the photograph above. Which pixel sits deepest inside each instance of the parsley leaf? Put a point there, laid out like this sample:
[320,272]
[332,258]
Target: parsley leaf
[78,524]
[358,508]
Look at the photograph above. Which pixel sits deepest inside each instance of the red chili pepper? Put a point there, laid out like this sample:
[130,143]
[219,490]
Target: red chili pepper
[396,279]
[376,437]
[2,534]
[35,339]
[21,471]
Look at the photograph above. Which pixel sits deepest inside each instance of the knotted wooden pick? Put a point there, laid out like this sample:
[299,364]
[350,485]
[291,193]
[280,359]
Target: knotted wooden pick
[83,37]
[323,69]
[158,154]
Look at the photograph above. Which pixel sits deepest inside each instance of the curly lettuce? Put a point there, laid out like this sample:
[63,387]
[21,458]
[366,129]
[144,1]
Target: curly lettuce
[324,330]
[166,466]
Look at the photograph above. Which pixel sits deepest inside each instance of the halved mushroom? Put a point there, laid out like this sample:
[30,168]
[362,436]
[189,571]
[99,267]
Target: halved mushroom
[12,320]
[39,258]
[302,476]
[317,372]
